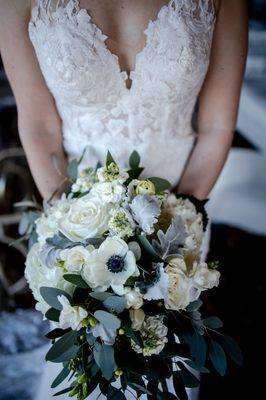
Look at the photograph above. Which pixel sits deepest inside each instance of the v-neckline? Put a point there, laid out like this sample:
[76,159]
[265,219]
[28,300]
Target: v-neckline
[130,73]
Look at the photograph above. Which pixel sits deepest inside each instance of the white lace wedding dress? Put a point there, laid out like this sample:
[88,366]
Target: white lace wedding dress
[97,109]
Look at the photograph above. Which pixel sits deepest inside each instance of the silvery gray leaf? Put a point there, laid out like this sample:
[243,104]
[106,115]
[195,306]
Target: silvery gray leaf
[109,320]
[170,242]
[60,241]
[145,210]
[49,255]
[135,248]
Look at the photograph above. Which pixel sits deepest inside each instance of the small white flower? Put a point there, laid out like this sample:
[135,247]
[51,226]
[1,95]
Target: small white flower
[133,298]
[84,181]
[112,173]
[110,265]
[121,223]
[87,217]
[70,317]
[108,191]
[154,336]
[75,258]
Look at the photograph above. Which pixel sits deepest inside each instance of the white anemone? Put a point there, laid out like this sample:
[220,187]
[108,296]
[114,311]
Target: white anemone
[110,265]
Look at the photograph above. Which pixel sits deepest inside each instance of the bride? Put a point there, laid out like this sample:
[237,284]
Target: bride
[125,75]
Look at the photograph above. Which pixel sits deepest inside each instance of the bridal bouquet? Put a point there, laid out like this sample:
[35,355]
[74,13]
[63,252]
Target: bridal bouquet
[115,264]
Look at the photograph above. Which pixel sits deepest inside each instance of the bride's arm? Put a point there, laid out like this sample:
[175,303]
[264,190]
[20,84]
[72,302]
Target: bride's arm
[38,121]
[219,99]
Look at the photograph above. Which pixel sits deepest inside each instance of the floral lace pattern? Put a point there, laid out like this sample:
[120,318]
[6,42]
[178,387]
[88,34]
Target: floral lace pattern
[98,110]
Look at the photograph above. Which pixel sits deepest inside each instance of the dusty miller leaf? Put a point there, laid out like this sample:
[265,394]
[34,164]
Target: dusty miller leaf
[170,242]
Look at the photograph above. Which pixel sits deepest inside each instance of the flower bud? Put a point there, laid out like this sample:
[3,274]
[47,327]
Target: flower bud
[93,321]
[145,187]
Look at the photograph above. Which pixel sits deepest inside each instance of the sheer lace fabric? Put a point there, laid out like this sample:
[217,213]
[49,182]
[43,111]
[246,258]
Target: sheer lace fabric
[96,107]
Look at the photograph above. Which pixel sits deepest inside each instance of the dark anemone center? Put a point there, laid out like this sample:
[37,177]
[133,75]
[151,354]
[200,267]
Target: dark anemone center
[116,264]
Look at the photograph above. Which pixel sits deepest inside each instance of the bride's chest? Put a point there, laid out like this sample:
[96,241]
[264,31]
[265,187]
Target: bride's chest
[77,63]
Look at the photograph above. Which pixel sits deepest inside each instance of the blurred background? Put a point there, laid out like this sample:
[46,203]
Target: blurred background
[237,208]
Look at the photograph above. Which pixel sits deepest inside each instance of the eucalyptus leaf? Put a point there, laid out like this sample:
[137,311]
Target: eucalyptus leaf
[76,279]
[218,357]
[140,388]
[232,349]
[109,320]
[101,296]
[115,303]
[61,346]
[194,306]
[105,360]
[56,333]
[61,377]
[52,314]
[72,170]
[213,322]
[49,294]
[67,390]
[198,348]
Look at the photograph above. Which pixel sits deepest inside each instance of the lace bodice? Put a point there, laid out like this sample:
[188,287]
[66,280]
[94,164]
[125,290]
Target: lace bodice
[96,107]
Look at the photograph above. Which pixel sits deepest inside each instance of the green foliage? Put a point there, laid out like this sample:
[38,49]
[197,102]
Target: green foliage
[115,303]
[64,348]
[232,349]
[109,320]
[109,159]
[61,377]
[213,322]
[50,294]
[134,160]
[76,279]
[72,170]
[217,357]
[148,248]
[52,314]
[160,184]
[104,357]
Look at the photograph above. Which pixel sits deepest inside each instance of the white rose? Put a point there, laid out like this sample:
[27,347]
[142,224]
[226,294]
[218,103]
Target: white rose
[108,191]
[75,258]
[70,317]
[87,217]
[205,278]
[110,265]
[133,298]
[137,318]
[179,289]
